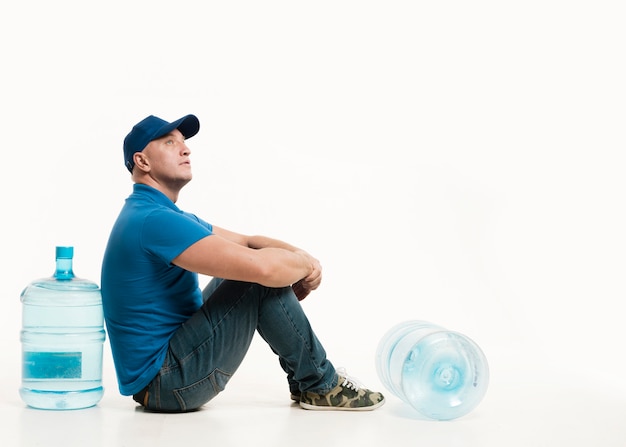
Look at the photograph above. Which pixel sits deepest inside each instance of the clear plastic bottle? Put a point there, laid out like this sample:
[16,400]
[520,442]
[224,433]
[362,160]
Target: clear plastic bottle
[62,339]
[442,374]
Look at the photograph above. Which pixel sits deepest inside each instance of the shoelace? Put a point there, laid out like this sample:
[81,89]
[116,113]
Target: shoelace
[349,382]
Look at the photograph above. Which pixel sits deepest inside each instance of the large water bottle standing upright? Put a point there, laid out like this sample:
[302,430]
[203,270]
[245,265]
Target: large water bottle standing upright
[62,339]
[442,374]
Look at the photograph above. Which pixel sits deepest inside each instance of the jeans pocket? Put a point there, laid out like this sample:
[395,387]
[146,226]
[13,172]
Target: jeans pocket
[197,394]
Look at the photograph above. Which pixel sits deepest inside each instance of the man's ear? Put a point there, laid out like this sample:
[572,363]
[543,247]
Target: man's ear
[140,161]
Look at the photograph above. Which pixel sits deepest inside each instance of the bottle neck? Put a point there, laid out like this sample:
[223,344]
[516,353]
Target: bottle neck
[64,269]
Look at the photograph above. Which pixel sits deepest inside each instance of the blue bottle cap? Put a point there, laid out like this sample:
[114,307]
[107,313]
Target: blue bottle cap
[65,252]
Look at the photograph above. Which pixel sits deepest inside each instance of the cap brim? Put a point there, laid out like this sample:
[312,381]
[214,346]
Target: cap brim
[188,125]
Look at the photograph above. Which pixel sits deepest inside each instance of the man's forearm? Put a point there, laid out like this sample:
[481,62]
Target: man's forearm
[257,242]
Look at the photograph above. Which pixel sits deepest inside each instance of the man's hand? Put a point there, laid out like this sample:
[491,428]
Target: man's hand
[306,285]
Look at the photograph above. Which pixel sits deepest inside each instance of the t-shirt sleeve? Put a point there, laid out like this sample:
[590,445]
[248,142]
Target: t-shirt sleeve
[166,234]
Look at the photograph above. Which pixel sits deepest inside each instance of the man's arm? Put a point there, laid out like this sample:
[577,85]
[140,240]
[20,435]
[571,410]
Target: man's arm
[255,242]
[301,288]
[258,259]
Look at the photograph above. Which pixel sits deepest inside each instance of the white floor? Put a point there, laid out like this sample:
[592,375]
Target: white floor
[523,407]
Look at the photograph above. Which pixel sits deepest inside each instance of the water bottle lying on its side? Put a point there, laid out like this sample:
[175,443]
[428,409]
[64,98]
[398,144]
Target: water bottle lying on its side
[442,374]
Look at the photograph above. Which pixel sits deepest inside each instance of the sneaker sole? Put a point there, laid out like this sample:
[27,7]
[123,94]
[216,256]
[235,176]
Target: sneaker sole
[331,408]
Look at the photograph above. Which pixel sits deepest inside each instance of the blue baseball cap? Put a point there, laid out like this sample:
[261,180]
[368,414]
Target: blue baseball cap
[153,127]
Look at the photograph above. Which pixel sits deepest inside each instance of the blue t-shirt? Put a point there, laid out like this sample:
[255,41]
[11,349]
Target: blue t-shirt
[144,296]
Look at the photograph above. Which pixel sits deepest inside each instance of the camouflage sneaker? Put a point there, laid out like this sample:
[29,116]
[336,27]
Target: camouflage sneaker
[347,395]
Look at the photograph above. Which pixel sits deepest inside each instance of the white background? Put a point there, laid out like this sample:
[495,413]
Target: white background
[459,162]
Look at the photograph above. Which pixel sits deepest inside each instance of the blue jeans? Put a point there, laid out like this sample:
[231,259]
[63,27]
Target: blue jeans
[207,349]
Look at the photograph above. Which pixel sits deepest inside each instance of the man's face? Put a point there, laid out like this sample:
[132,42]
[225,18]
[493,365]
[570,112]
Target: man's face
[167,158]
